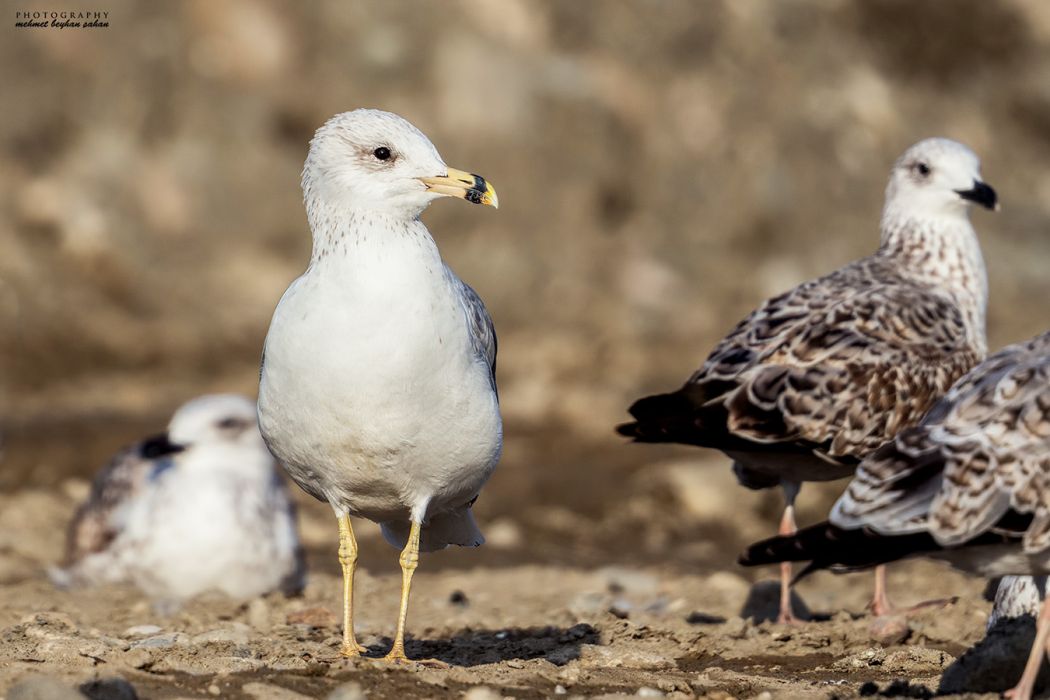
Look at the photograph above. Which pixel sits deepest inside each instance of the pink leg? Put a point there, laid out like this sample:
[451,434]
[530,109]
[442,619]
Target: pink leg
[787,527]
[1024,688]
[880,602]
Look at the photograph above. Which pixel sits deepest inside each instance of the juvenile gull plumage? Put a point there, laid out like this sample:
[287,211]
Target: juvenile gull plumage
[1017,596]
[198,508]
[378,388]
[816,378]
[970,485]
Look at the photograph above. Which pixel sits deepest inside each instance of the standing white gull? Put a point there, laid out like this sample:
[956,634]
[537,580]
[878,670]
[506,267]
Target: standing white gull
[378,388]
[816,378]
[201,507]
[970,485]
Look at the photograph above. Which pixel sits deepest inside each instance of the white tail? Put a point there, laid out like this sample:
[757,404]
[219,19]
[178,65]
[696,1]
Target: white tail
[457,527]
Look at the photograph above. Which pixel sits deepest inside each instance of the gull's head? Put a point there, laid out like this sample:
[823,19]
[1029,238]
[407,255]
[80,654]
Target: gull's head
[215,419]
[369,160]
[937,177]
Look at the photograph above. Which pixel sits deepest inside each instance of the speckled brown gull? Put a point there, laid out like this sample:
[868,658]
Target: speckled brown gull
[816,378]
[970,485]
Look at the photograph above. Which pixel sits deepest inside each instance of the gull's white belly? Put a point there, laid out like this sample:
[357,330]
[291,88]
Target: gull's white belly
[217,530]
[377,405]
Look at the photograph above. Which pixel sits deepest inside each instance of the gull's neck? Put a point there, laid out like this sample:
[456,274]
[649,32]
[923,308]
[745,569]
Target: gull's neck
[365,238]
[942,251]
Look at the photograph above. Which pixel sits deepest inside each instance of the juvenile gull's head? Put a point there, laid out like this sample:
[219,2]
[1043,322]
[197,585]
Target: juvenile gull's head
[215,419]
[937,178]
[373,161]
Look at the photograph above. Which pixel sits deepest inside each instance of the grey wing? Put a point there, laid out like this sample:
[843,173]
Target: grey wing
[479,326]
[92,528]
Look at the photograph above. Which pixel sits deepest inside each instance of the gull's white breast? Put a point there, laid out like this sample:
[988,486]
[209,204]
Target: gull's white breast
[218,519]
[371,394]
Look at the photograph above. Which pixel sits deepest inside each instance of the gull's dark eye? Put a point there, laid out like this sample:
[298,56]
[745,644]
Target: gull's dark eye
[231,423]
[382,153]
[922,169]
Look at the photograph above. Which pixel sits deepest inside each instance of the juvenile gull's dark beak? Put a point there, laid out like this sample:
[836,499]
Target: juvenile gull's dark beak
[159,446]
[982,194]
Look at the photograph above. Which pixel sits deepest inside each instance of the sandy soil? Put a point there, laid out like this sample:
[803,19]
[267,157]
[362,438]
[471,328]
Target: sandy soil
[578,593]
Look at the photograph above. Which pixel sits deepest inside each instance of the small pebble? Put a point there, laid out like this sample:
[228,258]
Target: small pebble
[142,631]
[459,598]
[503,534]
[348,691]
[213,689]
[701,618]
[318,616]
[645,692]
[560,690]
[620,608]
[621,580]
[481,692]
[259,615]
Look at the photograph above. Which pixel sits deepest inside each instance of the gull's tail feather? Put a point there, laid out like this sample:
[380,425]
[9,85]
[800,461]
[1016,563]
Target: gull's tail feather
[457,527]
[826,546]
[660,418]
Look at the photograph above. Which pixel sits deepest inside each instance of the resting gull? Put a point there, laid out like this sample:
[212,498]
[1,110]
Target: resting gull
[970,485]
[818,377]
[378,389]
[200,507]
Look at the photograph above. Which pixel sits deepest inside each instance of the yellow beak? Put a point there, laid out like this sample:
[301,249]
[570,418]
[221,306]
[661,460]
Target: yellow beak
[468,186]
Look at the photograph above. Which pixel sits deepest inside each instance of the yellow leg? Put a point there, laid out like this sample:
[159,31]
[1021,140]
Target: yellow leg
[409,561]
[348,560]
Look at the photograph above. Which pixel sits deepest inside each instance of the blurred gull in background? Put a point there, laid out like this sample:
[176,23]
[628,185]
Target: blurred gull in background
[198,508]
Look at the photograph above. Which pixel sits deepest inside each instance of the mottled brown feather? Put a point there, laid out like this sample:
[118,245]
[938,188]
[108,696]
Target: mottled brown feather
[839,364]
[983,450]
[92,529]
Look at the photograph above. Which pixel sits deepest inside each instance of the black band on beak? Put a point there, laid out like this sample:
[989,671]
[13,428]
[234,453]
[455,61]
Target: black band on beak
[159,446]
[477,192]
[981,194]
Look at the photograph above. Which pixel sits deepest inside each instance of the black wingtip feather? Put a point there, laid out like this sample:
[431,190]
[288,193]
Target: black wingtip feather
[826,546]
[627,429]
[659,418]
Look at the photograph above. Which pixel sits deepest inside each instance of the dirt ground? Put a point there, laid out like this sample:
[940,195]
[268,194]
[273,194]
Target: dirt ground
[625,587]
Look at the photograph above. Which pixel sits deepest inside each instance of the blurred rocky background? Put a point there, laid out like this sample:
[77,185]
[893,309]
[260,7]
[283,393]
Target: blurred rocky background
[662,166]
